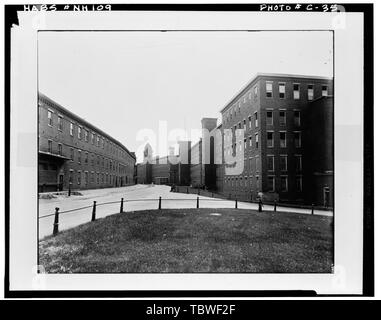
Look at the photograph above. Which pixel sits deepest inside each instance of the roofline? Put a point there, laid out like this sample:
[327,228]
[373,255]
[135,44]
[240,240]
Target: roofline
[262,74]
[85,122]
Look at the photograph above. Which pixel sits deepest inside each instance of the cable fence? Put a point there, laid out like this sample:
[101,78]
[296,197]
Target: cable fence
[196,204]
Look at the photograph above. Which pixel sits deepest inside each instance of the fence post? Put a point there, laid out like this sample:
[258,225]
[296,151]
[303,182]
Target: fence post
[198,204]
[312,209]
[236,203]
[69,189]
[94,211]
[159,203]
[121,205]
[56,223]
[260,206]
[274,205]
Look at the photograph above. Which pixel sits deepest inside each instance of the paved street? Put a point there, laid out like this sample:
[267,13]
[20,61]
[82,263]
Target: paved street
[151,195]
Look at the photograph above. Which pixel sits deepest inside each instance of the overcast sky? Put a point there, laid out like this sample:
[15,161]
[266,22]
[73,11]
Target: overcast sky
[123,82]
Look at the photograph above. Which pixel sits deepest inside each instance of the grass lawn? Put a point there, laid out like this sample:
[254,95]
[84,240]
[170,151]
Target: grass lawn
[193,240]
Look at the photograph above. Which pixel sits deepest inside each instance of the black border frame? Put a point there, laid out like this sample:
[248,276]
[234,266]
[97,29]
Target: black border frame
[10,18]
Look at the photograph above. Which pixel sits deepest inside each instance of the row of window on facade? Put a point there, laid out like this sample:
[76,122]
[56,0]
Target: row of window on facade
[269,120]
[296,90]
[93,177]
[101,161]
[283,163]
[270,135]
[85,134]
[236,107]
[248,182]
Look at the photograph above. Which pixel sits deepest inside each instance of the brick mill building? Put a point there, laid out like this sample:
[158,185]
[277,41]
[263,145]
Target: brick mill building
[73,152]
[287,144]
[276,138]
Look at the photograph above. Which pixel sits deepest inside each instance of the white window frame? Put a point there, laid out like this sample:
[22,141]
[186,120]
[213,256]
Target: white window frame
[296,93]
[285,139]
[50,118]
[285,117]
[273,179]
[60,122]
[282,84]
[310,97]
[272,144]
[324,93]
[297,123]
[298,159]
[301,183]
[267,89]
[272,117]
[282,177]
[71,129]
[286,162]
[272,157]
[299,145]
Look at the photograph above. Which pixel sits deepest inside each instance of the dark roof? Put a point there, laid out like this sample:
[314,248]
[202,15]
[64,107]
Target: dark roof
[72,115]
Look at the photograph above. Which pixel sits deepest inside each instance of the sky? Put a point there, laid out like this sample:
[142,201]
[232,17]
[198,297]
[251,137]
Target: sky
[126,82]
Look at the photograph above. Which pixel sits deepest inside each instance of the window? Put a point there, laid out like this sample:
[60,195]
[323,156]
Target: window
[324,90]
[269,118]
[245,145]
[50,119]
[60,123]
[283,183]
[297,139]
[92,138]
[270,139]
[310,91]
[282,90]
[270,163]
[86,157]
[256,119]
[250,95]
[296,89]
[79,132]
[97,141]
[282,138]
[298,163]
[283,162]
[250,142]
[256,141]
[255,91]
[249,120]
[60,149]
[244,125]
[72,154]
[271,183]
[297,118]
[79,177]
[299,186]
[71,129]
[282,117]
[257,182]
[50,146]
[79,156]
[269,89]
[86,136]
